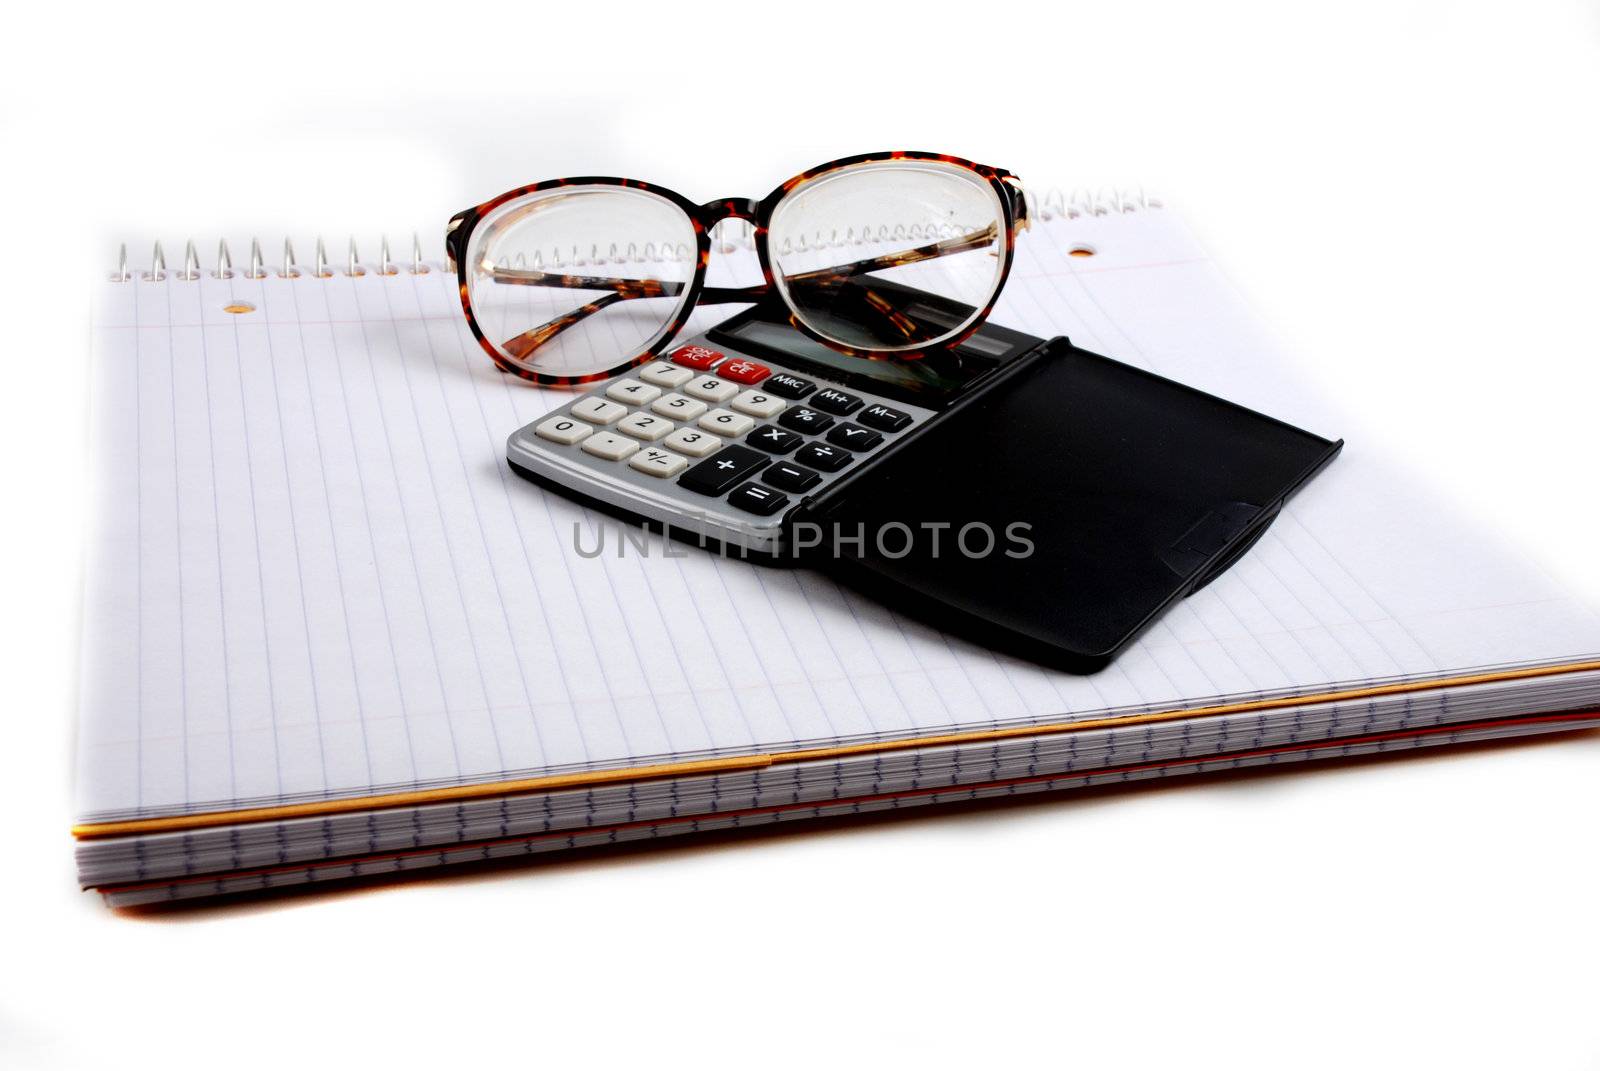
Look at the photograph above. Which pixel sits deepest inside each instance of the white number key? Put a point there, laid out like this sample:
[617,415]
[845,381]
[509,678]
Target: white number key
[711,389]
[754,403]
[563,430]
[657,462]
[724,422]
[678,407]
[632,392]
[603,444]
[694,443]
[662,374]
[646,427]
[599,411]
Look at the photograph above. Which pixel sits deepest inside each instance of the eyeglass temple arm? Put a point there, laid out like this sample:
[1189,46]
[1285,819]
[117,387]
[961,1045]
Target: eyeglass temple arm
[521,345]
[642,288]
[1020,221]
[960,244]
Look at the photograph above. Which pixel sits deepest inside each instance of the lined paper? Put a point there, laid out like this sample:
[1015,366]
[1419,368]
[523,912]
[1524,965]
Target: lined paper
[312,573]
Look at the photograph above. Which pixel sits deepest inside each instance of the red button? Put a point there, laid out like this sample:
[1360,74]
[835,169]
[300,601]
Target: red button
[743,371]
[696,357]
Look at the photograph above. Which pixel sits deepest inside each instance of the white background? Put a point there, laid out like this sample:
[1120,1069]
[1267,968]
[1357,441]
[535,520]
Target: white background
[1407,193]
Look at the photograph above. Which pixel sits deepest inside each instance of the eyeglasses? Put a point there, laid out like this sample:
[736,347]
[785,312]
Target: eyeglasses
[881,255]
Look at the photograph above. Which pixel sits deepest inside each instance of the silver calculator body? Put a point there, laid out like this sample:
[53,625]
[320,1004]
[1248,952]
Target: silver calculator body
[712,442]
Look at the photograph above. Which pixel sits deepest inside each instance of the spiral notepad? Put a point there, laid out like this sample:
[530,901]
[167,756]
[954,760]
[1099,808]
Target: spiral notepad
[329,634]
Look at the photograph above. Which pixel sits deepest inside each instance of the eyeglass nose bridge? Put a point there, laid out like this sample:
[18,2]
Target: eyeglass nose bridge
[714,212]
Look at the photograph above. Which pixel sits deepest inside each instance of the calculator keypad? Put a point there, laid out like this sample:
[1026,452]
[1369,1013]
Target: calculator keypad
[773,439]
[787,476]
[645,426]
[632,392]
[563,430]
[699,358]
[726,422]
[692,441]
[657,462]
[822,456]
[605,445]
[662,374]
[786,385]
[742,371]
[722,470]
[756,404]
[837,402]
[854,437]
[678,407]
[599,411]
[710,389]
[807,420]
[762,501]
[705,424]
[883,418]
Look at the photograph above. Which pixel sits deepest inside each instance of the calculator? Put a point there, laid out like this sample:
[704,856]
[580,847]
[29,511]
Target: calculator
[725,436]
[1130,490]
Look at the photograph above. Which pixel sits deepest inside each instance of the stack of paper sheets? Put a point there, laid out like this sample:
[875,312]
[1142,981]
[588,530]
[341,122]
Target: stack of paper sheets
[329,634]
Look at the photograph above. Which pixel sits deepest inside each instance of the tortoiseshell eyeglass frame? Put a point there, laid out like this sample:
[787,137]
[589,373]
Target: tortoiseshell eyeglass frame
[704,217]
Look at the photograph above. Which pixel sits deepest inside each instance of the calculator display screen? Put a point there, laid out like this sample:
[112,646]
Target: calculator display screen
[929,381]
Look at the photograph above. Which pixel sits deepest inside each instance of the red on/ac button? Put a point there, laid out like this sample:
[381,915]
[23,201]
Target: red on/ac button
[743,371]
[696,357]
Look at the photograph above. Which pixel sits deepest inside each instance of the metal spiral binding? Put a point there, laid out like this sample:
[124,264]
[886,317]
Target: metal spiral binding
[1080,203]
[733,237]
[288,268]
[191,264]
[158,265]
[739,235]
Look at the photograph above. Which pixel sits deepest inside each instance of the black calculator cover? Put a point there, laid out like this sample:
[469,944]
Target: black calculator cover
[1135,491]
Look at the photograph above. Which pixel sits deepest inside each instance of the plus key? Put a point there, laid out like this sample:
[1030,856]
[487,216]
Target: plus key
[723,469]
